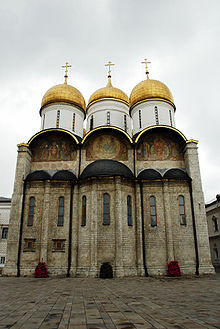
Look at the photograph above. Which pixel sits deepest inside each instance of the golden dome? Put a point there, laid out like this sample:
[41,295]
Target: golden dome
[108,92]
[64,93]
[150,89]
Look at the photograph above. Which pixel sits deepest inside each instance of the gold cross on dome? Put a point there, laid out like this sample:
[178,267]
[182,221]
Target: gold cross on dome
[109,68]
[146,62]
[66,76]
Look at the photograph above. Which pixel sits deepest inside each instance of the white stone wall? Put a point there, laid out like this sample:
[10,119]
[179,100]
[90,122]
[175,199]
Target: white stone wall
[148,115]
[117,111]
[49,118]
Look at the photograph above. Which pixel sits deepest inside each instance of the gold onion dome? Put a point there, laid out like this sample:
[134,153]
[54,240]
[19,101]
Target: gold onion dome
[150,90]
[64,93]
[109,92]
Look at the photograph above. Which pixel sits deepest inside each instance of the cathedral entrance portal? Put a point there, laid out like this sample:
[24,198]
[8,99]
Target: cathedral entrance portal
[106,271]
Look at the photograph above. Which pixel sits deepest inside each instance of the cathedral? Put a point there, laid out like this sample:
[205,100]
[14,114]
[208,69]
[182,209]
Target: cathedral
[108,185]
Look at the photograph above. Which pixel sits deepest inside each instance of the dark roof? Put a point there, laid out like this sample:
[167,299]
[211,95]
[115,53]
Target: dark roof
[149,174]
[176,173]
[2,199]
[38,175]
[64,175]
[106,168]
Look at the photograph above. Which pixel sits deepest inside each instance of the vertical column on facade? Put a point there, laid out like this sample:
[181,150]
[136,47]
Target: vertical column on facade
[168,222]
[119,268]
[45,222]
[75,230]
[193,170]
[139,241]
[93,230]
[22,169]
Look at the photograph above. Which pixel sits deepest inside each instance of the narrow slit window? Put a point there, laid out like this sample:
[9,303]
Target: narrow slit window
[156,115]
[106,209]
[43,122]
[182,210]
[215,223]
[5,233]
[84,210]
[139,118]
[216,255]
[58,118]
[125,122]
[91,122]
[129,211]
[74,121]
[2,261]
[60,211]
[31,211]
[171,122]
[153,214]
[108,118]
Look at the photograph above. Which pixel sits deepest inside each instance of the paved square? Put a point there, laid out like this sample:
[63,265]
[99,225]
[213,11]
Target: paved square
[30,303]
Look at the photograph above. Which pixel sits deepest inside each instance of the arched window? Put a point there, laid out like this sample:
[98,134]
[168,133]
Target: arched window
[215,223]
[156,115]
[60,211]
[129,211]
[106,209]
[108,118]
[84,210]
[74,121]
[182,210]
[91,123]
[31,211]
[153,214]
[58,118]
[139,118]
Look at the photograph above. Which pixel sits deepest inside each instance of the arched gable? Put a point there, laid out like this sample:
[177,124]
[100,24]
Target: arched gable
[105,128]
[53,145]
[139,136]
[160,143]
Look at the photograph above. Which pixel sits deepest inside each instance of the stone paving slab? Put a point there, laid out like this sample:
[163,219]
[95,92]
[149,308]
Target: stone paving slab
[74,303]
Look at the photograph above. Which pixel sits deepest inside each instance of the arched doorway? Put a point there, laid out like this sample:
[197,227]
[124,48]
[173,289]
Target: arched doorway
[106,271]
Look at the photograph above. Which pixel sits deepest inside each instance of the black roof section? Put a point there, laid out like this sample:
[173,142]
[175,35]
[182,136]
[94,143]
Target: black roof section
[64,175]
[106,168]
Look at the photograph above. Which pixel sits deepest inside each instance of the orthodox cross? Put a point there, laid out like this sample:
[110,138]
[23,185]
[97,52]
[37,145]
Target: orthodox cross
[109,68]
[146,62]
[66,76]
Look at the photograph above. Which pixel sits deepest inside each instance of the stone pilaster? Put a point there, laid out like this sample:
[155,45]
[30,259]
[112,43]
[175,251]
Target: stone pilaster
[139,241]
[22,169]
[75,230]
[93,232]
[45,222]
[119,268]
[193,170]
[168,222]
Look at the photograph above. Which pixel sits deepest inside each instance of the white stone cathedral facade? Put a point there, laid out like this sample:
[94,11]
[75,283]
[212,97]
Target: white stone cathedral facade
[124,192]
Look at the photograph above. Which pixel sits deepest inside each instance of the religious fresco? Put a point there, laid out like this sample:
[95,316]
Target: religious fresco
[159,147]
[53,148]
[106,147]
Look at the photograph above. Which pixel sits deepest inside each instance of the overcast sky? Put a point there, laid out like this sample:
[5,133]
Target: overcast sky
[180,38]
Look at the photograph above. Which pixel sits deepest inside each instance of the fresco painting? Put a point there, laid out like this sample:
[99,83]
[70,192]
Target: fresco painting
[54,148]
[159,147]
[106,147]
